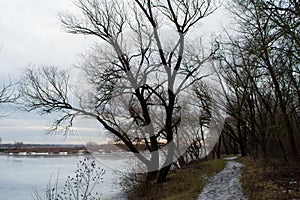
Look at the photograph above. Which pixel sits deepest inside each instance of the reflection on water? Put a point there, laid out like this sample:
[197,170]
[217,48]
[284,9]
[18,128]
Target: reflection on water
[21,175]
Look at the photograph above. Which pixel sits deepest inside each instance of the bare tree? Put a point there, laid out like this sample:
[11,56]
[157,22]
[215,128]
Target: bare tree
[80,186]
[261,69]
[137,80]
[7,95]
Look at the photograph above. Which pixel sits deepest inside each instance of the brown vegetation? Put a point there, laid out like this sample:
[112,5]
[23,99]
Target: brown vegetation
[270,179]
[185,183]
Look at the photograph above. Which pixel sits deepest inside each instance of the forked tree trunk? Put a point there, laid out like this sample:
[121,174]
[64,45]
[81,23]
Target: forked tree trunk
[152,176]
[159,176]
[162,174]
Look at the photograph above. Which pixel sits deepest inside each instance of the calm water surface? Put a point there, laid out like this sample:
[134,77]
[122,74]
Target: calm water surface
[21,175]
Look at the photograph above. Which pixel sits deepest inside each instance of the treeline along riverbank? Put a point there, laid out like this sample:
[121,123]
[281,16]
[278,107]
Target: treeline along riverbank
[41,148]
[20,147]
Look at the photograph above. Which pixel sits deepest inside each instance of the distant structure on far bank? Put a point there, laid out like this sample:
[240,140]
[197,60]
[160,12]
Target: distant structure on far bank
[0,140]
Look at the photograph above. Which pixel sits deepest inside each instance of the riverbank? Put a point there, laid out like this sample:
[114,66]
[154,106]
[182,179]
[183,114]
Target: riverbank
[185,183]
[33,149]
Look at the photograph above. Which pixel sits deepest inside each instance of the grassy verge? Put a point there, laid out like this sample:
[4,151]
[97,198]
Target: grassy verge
[190,181]
[270,179]
[182,184]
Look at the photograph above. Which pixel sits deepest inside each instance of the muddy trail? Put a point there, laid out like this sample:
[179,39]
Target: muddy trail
[224,185]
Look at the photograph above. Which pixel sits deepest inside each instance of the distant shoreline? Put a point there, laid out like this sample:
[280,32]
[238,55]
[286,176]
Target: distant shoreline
[20,148]
[38,145]
[32,149]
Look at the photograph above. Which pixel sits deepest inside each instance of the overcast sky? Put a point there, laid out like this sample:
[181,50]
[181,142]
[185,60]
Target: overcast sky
[31,35]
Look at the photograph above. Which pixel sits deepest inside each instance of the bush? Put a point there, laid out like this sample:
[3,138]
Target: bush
[79,187]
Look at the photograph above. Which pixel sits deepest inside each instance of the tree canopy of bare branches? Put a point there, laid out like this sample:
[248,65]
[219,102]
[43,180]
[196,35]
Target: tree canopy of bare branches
[7,95]
[138,76]
[261,69]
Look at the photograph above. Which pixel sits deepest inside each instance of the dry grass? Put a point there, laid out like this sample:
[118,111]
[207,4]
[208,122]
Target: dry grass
[270,179]
[182,184]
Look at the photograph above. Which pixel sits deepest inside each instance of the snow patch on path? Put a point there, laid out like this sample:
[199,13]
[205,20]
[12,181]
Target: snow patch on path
[224,185]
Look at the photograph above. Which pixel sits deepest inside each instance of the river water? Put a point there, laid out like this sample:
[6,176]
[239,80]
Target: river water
[20,176]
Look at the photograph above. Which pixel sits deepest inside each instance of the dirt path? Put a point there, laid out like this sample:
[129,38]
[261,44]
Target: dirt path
[224,185]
